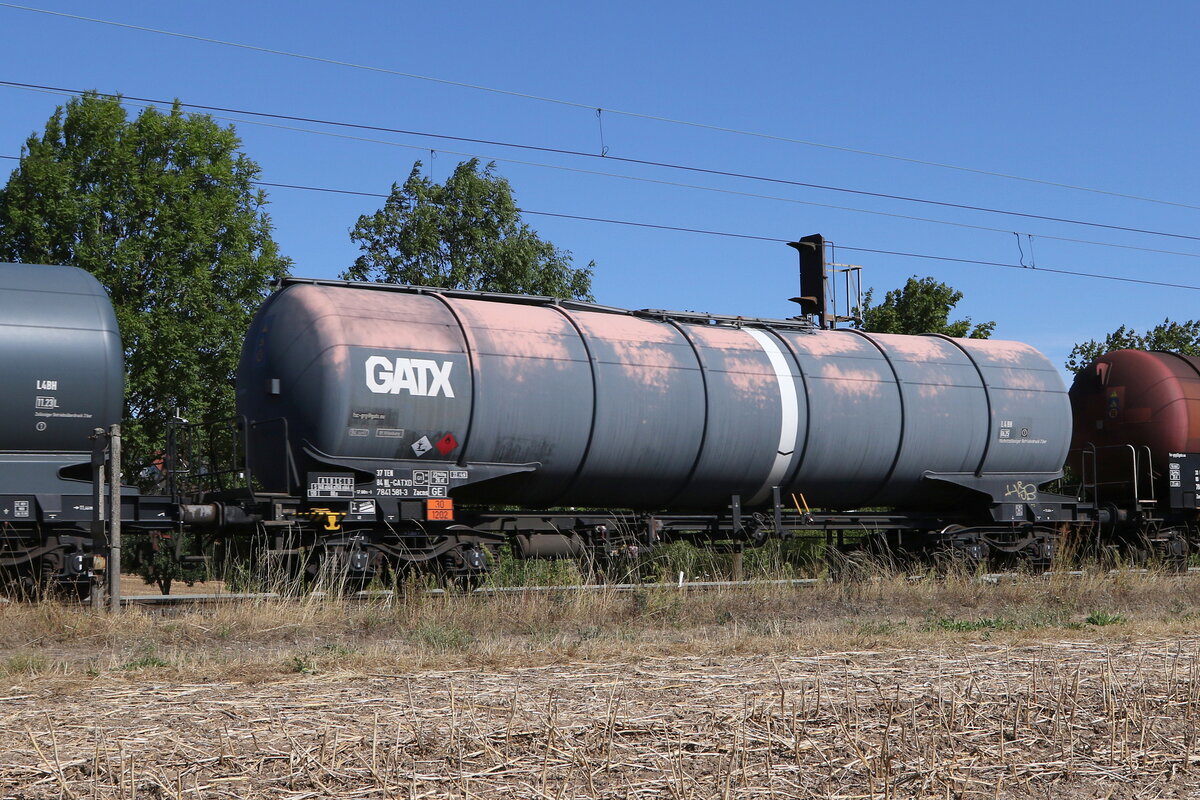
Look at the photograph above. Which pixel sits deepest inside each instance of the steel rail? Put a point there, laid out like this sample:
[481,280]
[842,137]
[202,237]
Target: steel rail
[619,588]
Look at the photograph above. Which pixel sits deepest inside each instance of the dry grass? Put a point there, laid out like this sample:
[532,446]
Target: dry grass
[269,638]
[883,688]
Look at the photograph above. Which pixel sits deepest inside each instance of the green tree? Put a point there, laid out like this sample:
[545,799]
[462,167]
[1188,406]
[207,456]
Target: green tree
[158,559]
[464,234]
[163,211]
[922,306]
[1177,337]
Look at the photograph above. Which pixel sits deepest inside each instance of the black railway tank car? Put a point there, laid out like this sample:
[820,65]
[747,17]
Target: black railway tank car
[502,399]
[388,428]
[397,416]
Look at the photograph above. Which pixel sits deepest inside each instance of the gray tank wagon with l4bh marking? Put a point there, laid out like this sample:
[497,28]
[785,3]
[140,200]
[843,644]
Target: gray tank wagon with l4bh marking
[424,393]
[63,368]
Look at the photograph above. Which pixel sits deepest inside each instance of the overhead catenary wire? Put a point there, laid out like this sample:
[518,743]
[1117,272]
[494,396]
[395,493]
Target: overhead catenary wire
[754,237]
[580,105]
[624,159]
[773,239]
[726,234]
[676,184]
[719,190]
[1053,270]
[655,181]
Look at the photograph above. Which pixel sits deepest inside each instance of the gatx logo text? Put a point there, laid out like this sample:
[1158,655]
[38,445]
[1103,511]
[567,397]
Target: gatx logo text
[422,377]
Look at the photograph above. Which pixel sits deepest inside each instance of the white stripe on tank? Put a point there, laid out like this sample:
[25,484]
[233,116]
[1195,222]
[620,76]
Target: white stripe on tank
[789,425]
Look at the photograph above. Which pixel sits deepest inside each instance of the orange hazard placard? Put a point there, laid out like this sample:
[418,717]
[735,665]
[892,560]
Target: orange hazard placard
[439,508]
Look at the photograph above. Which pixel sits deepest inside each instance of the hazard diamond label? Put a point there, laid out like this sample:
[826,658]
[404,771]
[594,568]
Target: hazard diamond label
[422,446]
[446,444]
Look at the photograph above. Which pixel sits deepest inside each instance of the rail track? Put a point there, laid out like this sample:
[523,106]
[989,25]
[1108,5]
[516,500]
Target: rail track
[383,595]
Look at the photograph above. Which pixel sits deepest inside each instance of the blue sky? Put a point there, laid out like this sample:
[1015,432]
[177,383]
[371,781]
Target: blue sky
[1102,96]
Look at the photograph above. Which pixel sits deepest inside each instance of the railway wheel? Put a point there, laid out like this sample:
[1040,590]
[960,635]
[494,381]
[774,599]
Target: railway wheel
[343,568]
[464,568]
[959,550]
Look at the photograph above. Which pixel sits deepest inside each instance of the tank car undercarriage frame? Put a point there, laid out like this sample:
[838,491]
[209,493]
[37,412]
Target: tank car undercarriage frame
[321,545]
[36,560]
[357,533]
[59,551]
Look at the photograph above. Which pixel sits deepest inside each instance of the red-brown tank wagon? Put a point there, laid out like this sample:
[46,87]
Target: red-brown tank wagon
[1136,443]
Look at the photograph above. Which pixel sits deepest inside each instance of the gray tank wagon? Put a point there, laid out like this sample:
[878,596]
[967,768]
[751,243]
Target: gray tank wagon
[61,357]
[501,399]
[64,373]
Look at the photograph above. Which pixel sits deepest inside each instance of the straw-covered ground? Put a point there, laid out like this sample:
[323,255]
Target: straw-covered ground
[1043,688]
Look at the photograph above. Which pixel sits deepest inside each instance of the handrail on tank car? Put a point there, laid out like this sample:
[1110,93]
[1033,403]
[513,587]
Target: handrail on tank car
[1149,476]
[1087,455]
[289,460]
[241,466]
[701,318]
[214,479]
[177,456]
[1136,472]
[408,288]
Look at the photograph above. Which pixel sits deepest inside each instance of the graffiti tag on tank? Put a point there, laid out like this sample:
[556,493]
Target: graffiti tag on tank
[1025,492]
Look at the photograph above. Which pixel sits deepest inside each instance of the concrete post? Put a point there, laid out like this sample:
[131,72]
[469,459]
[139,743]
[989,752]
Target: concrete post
[99,497]
[114,520]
